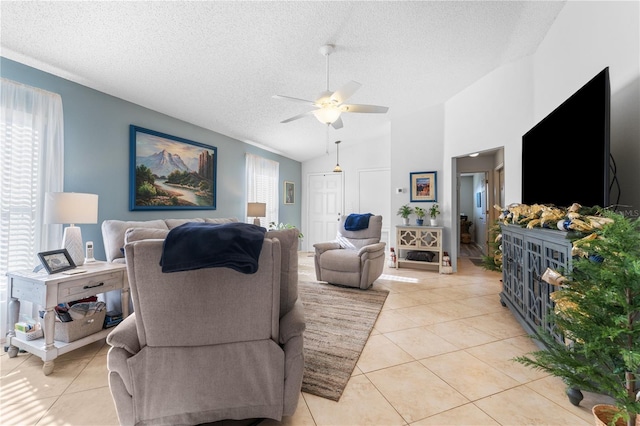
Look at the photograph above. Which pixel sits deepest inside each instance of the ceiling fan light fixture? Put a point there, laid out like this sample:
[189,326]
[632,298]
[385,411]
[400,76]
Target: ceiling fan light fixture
[327,114]
[331,104]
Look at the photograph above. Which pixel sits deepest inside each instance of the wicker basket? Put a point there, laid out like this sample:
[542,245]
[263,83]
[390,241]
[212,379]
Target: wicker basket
[31,335]
[603,413]
[77,329]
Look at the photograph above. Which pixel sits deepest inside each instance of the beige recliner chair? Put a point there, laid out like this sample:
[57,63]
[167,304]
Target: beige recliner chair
[208,344]
[354,259]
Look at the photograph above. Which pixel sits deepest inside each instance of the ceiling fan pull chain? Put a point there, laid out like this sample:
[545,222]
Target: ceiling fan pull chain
[327,142]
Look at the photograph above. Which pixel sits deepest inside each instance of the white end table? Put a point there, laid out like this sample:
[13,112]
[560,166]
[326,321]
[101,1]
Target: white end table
[50,290]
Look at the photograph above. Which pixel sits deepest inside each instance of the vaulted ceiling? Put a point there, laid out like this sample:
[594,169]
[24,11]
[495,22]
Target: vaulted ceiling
[217,64]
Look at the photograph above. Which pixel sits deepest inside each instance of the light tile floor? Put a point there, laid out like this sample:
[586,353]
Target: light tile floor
[440,354]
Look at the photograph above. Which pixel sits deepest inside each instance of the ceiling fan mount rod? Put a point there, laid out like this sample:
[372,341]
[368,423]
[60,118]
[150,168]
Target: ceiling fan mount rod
[325,51]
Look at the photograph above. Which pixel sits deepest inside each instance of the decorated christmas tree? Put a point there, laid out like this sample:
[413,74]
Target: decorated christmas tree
[598,312]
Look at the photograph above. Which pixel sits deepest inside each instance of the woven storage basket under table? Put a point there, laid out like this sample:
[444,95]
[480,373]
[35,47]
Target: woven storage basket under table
[77,329]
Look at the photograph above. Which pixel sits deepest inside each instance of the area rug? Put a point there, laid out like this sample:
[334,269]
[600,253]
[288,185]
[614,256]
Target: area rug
[339,321]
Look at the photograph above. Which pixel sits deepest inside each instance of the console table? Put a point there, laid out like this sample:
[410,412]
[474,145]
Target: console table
[527,253]
[50,290]
[419,238]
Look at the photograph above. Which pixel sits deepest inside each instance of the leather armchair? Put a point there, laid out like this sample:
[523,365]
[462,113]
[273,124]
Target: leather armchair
[354,259]
[207,344]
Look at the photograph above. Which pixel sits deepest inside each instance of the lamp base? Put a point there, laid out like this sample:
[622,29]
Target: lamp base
[256,221]
[72,241]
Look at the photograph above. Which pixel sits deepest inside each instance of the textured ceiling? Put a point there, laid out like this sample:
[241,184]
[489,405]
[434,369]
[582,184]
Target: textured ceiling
[217,64]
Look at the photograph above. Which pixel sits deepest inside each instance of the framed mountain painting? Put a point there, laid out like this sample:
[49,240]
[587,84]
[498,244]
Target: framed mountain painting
[170,173]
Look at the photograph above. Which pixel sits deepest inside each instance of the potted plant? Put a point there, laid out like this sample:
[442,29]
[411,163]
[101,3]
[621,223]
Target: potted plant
[434,212]
[420,213]
[598,312]
[404,212]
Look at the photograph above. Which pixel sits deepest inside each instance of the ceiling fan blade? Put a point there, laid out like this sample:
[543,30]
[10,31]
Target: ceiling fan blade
[298,100]
[364,108]
[337,124]
[296,117]
[345,92]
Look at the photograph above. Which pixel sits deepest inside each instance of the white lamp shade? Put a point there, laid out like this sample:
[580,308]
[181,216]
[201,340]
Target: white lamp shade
[70,207]
[257,209]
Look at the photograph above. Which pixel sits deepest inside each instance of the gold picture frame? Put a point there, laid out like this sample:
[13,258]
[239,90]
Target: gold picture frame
[424,187]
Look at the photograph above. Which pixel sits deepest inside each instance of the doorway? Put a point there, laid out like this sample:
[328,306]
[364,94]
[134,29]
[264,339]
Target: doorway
[473,220]
[480,186]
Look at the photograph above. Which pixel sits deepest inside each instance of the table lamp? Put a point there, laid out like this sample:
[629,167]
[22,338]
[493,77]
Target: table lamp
[256,210]
[72,208]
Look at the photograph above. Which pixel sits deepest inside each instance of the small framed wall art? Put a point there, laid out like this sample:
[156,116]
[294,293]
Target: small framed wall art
[170,173]
[423,187]
[289,193]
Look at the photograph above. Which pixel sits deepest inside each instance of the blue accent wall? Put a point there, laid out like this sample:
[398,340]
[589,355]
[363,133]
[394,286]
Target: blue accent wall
[96,157]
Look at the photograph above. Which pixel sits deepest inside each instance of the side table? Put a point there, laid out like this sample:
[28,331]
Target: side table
[50,290]
[419,238]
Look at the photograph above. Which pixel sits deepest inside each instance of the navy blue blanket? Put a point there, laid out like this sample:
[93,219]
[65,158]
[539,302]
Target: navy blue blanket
[356,222]
[197,245]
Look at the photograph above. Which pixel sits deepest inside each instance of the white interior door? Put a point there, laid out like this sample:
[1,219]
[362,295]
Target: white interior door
[325,207]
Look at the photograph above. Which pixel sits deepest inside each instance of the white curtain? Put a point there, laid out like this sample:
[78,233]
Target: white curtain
[31,163]
[263,176]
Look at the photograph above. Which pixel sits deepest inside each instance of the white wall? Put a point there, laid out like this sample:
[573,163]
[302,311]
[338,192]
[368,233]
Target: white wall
[417,146]
[479,217]
[494,112]
[499,108]
[503,105]
[587,37]
[467,196]
[372,154]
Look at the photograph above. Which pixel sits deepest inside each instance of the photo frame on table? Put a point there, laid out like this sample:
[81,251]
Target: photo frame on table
[289,193]
[55,261]
[170,173]
[424,187]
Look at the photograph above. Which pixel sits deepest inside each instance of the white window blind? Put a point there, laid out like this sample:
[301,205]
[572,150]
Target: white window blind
[263,176]
[31,163]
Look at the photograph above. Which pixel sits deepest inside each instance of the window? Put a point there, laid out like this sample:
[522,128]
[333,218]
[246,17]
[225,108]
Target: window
[31,160]
[263,176]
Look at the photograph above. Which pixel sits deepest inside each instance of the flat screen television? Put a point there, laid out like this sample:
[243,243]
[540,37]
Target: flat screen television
[565,157]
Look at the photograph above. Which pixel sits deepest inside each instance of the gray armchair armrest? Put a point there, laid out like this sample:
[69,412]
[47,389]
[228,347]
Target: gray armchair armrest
[372,248]
[124,344]
[292,324]
[322,247]
[125,336]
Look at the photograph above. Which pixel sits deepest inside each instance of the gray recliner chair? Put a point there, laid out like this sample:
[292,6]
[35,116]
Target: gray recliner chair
[208,344]
[354,259]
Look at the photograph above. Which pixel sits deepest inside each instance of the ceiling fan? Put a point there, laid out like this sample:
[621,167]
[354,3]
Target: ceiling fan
[330,105]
